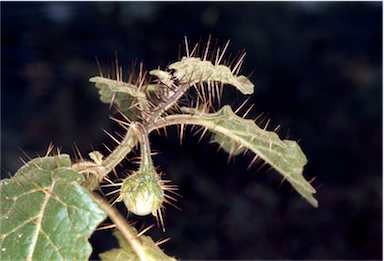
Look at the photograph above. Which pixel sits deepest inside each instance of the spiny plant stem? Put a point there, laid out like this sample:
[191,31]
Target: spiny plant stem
[177,119]
[146,164]
[122,225]
[136,133]
[162,107]
[126,145]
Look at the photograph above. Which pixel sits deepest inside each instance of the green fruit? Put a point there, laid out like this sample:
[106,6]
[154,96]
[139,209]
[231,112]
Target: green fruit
[142,194]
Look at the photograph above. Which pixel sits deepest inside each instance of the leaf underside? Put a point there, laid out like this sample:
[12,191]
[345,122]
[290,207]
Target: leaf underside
[193,70]
[235,135]
[45,214]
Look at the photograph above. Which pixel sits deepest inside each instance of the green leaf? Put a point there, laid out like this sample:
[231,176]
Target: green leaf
[126,252]
[124,95]
[45,214]
[193,70]
[164,77]
[114,86]
[235,134]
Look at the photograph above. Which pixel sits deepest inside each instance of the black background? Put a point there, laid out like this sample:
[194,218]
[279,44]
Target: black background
[318,72]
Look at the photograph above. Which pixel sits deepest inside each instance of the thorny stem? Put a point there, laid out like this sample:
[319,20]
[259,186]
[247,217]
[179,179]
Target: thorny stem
[136,133]
[170,102]
[179,119]
[122,225]
[146,164]
[126,145]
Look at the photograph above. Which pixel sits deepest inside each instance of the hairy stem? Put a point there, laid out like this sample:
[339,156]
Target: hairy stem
[126,145]
[146,164]
[177,119]
[162,107]
[122,225]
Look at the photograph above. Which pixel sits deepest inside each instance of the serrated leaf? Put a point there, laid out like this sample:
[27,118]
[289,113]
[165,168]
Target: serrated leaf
[124,95]
[234,134]
[163,76]
[45,214]
[117,86]
[126,252]
[193,70]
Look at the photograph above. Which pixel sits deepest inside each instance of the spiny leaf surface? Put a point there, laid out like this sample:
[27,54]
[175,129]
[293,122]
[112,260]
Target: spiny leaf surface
[45,214]
[193,70]
[235,134]
[124,95]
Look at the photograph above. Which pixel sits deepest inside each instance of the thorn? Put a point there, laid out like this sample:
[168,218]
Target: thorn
[106,227]
[49,149]
[266,125]
[144,230]
[120,122]
[262,165]
[160,217]
[219,92]
[194,49]
[22,160]
[105,146]
[276,130]
[165,132]
[117,67]
[238,148]
[319,186]
[112,192]
[181,133]
[214,50]
[261,114]
[282,181]
[223,52]
[121,136]
[241,105]
[78,152]
[122,114]
[238,64]
[312,179]
[30,159]
[98,66]
[158,243]
[202,135]
[110,135]
[11,177]
[186,46]
[287,135]
[112,100]
[207,48]
[230,156]
[248,111]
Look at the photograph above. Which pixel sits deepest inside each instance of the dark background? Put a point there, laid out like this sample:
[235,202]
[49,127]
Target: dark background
[318,73]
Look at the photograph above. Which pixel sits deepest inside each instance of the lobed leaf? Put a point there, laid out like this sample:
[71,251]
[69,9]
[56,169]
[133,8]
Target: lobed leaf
[236,134]
[193,70]
[124,95]
[46,214]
